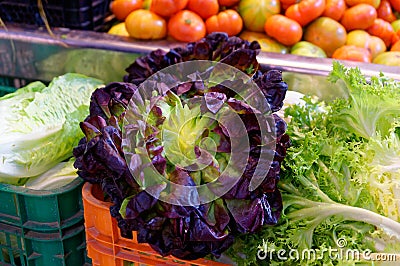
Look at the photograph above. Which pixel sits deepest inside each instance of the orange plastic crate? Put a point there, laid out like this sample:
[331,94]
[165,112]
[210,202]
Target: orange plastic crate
[106,246]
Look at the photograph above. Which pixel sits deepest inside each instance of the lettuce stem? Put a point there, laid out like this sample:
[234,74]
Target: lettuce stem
[312,209]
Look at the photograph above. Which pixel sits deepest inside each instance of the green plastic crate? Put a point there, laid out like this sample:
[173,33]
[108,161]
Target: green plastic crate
[25,247]
[42,210]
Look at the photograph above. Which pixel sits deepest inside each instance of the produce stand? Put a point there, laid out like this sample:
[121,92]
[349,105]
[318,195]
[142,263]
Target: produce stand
[28,53]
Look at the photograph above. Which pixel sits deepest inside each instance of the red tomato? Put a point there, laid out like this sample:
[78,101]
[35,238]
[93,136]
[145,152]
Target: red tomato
[395,4]
[360,16]
[122,8]
[306,11]
[285,30]
[228,21]
[228,3]
[334,9]
[352,53]
[383,30]
[204,8]
[385,11]
[167,8]
[186,26]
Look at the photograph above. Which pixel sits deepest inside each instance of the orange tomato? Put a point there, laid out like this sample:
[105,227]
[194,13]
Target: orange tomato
[285,30]
[360,16]
[352,53]
[326,33]
[396,46]
[305,11]
[374,3]
[228,3]
[186,26]
[395,4]
[144,24]
[385,11]
[383,30]
[334,9]
[204,8]
[228,21]
[122,8]
[167,8]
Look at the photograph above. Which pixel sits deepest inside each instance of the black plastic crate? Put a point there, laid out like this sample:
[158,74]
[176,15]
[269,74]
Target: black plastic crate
[73,14]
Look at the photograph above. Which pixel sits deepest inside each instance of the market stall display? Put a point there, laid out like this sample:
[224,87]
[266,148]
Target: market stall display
[339,180]
[323,24]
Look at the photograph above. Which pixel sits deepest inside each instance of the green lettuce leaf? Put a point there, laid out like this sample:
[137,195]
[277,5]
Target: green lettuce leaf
[40,125]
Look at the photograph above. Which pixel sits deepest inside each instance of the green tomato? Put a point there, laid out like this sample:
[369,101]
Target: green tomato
[396,25]
[388,58]
[307,49]
[256,12]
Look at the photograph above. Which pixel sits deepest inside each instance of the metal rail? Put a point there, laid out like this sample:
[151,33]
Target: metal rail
[74,39]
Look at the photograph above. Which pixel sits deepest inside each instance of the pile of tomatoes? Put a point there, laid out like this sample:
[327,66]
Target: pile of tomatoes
[357,30]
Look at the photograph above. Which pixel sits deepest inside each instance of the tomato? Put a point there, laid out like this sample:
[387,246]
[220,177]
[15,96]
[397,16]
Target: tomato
[326,33]
[289,2]
[352,53]
[307,49]
[228,21]
[358,38]
[395,47]
[361,38]
[144,24]
[167,8]
[396,25]
[377,46]
[360,16]
[334,9]
[267,44]
[119,29]
[391,58]
[146,4]
[395,4]
[122,8]
[385,11]
[374,3]
[204,8]
[228,3]
[186,26]
[305,11]
[383,30]
[255,12]
[285,30]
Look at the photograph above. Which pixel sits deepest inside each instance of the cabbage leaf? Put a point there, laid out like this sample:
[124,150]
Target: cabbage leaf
[40,125]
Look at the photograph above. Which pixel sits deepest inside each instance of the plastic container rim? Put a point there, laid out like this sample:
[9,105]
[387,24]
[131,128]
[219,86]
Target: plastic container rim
[40,193]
